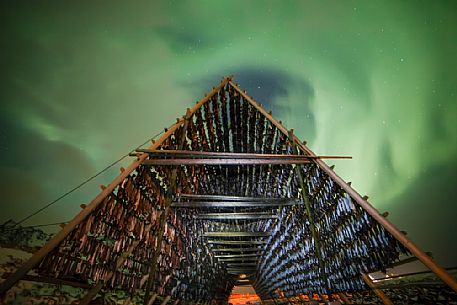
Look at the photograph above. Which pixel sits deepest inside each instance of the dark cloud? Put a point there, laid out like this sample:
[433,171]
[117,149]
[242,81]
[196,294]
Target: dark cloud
[267,85]
[427,211]
[33,171]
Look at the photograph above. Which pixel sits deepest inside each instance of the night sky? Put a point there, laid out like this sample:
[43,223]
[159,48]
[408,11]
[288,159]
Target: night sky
[83,84]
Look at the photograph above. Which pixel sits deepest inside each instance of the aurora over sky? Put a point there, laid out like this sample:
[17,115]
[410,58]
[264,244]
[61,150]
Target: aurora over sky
[84,84]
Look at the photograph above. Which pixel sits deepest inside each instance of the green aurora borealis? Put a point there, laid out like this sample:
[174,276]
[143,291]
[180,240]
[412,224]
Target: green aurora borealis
[84,83]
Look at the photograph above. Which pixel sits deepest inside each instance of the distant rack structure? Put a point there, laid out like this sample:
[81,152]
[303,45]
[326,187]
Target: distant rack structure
[226,196]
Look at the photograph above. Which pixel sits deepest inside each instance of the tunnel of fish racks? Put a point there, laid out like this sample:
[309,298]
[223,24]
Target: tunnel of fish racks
[226,196]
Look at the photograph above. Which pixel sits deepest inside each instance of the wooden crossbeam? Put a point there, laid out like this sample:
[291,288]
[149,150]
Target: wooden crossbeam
[237,198]
[236,265]
[239,259]
[184,154]
[238,255]
[236,242]
[238,216]
[231,204]
[240,270]
[237,250]
[236,234]
[223,161]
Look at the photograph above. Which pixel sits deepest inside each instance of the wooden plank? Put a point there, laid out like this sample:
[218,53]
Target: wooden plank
[222,161]
[236,198]
[384,298]
[241,250]
[235,216]
[239,259]
[238,255]
[236,234]
[229,155]
[236,242]
[232,204]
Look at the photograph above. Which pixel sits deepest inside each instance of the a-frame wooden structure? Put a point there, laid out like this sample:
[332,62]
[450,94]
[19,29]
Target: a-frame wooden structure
[226,191]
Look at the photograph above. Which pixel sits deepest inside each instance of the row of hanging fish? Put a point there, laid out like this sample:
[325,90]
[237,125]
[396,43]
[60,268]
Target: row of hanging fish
[350,242]
[127,221]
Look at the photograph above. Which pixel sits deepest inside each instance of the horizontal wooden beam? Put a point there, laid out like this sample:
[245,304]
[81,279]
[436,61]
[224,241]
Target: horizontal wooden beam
[236,234]
[240,270]
[222,161]
[236,242]
[238,255]
[241,250]
[406,261]
[230,204]
[230,155]
[235,216]
[235,198]
[237,265]
[239,259]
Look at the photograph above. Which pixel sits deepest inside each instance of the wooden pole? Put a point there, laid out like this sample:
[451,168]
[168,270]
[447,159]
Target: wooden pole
[153,298]
[165,301]
[164,215]
[307,202]
[229,155]
[224,161]
[392,229]
[384,298]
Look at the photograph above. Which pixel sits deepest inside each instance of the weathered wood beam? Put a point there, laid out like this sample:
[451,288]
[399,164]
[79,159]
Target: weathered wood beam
[407,260]
[229,155]
[236,234]
[236,198]
[236,265]
[237,250]
[222,161]
[231,204]
[239,259]
[237,255]
[384,298]
[238,216]
[241,270]
[163,216]
[237,242]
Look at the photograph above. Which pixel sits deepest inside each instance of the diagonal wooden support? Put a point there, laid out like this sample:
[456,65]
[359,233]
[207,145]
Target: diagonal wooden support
[391,228]
[164,215]
[312,225]
[165,301]
[152,299]
[384,298]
